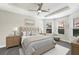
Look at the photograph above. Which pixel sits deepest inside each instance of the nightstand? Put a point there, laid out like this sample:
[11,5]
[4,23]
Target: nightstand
[13,41]
[75,47]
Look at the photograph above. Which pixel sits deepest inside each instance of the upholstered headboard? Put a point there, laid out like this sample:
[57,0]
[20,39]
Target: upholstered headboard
[29,26]
[29,29]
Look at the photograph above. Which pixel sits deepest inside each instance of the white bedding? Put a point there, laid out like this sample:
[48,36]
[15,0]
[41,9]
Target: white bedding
[29,39]
[37,44]
[32,38]
[58,50]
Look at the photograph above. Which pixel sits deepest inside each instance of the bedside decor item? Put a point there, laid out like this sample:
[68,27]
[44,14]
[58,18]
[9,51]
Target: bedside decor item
[15,31]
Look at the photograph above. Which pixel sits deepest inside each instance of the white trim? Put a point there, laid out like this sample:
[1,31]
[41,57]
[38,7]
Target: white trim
[65,40]
[1,46]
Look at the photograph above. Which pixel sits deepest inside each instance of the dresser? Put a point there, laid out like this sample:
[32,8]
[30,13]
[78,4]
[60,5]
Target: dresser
[12,41]
[75,47]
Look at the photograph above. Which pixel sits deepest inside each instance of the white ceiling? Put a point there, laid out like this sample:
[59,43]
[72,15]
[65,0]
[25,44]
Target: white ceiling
[34,6]
[23,8]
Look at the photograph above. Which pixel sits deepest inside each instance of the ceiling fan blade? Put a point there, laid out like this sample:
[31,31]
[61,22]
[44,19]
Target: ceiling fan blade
[44,10]
[40,6]
[32,10]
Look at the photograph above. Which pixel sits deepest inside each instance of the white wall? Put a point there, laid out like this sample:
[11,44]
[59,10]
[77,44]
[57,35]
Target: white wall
[7,22]
[55,28]
[45,21]
[67,28]
[75,14]
[68,25]
[39,23]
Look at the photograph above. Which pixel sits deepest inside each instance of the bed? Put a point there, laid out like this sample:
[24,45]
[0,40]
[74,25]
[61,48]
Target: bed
[33,43]
[37,45]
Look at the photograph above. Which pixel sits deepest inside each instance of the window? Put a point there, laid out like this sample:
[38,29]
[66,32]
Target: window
[76,26]
[61,26]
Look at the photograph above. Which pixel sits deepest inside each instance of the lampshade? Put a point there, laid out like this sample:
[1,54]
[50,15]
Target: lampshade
[15,29]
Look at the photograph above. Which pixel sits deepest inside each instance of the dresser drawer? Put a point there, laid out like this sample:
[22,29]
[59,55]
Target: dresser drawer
[75,45]
[74,49]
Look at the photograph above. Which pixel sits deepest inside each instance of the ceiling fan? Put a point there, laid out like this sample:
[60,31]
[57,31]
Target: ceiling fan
[39,10]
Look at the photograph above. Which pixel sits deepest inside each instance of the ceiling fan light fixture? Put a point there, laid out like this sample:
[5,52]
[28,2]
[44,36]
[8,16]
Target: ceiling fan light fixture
[39,11]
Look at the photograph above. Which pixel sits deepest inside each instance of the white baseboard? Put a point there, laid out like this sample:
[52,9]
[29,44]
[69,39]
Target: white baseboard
[1,46]
[65,40]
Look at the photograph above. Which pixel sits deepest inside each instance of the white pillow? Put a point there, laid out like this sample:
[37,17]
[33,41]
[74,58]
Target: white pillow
[28,33]
[24,33]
